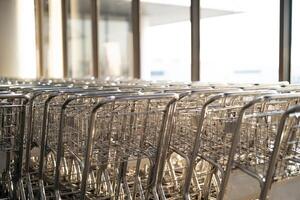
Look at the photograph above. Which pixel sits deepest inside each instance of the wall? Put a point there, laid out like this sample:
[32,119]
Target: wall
[8,38]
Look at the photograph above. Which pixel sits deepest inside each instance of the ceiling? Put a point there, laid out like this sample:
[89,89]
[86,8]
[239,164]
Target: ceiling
[156,13]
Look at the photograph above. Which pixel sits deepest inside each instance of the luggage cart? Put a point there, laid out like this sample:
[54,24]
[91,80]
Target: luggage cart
[284,167]
[215,126]
[253,143]
[73,127]
[124,144]
[172,176]
[48,138]
[12,122]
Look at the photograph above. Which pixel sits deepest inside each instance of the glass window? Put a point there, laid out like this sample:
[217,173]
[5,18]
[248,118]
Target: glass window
[53,39]
[26,39]
[295,62]
[165,43]
[80,40]
[115,38]
[239,40]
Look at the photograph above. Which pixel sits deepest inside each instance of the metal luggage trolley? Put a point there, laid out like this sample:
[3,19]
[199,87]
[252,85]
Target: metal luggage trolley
[45,135]
[34,132]
[12,122]
[293,88]
[252,146]
[73,125]
[122,149]
[182,139]
[35,127]
[30,92]
[180,177]
[210,149]
[284,167]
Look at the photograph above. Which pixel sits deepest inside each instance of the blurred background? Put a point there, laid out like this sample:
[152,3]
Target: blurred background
[239,40]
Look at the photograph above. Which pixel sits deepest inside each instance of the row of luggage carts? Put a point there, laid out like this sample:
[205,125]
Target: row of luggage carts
[140,140]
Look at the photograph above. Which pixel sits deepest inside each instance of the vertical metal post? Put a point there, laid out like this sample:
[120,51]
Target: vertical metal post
[285,40]
[39,8]
[95,49]
[195,40]
[64,19]
[135,20]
